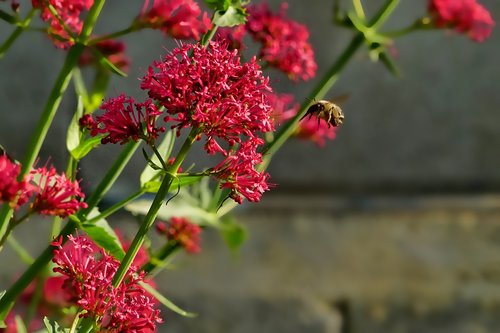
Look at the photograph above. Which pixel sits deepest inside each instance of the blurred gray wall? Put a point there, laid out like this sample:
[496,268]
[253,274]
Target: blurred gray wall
[433,129]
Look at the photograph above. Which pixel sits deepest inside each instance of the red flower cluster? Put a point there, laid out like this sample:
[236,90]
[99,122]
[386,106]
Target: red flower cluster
[182,231]
[125,120]
[177,18]
[15,193]
[56,194]
[207,88]
[113,50]
[285,42]
[465,16]
[68,12]
[89,273]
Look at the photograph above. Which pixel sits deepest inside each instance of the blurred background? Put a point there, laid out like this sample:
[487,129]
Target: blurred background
[392,227]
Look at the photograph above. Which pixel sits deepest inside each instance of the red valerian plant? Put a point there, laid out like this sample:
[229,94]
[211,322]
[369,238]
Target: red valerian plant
[13,191]
[182,231]
[177,18]
[125,120]
[89,273]
[205,87]
[465,16]
[64,17]
[56,194]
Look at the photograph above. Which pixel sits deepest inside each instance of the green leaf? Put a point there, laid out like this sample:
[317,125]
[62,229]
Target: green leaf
[53,327]
[73,134]
[389,63]
[180,181]
[230,17]
[165,149]
[86,146]
[20,326]
[234,234]
[218,4]
[103,235]
[106,63]
[163,300]
[98,91]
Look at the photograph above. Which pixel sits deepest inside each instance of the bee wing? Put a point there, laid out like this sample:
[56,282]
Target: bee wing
[341,98]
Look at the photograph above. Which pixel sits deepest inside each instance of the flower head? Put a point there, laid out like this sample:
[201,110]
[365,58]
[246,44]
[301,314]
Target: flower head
[125,120]
[237,172]
[14,192]
[285,43]
[57,195]
[465,16]
[68,12]
[284,107]
[181,230]
[177,18]
[89,273]
[212,91]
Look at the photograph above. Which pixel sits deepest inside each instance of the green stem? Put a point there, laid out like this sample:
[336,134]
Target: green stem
[21,26]
[7,17]
[358,8]
[111,176]
[166,251]
[115,207]
[158,201]
[20,250]
[209,35]
[7,301]
[383,14]
[115,34]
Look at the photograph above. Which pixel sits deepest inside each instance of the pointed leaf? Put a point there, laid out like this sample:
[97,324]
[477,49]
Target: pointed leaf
[106,63]
[73,134]
[103,235]
[234,234]
[86,146]
[389,63]
[53,327]
[165,149]
[163,300]
[20,326]
[218,4]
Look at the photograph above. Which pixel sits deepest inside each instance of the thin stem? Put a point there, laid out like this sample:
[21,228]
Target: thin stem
[383,14]
[115,34]
[21,26]
[111,176]
[20,250]
[116,207]
[205,39]
[158,201]
[166,251]
[358,8]
[7,17]
[420,24]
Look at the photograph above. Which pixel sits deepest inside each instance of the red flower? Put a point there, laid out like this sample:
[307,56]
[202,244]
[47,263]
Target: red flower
[315,130]
[89,273]
[177,18]
[284,42]
[234,36]
[15,193]
[237,172]
[466,16]
[284,107]
[209,89]
[184,232]
[125,120]
[69,12]
[57,195]
[113,50]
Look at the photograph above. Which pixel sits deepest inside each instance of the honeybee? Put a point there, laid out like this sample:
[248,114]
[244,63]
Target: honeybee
[326,110]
